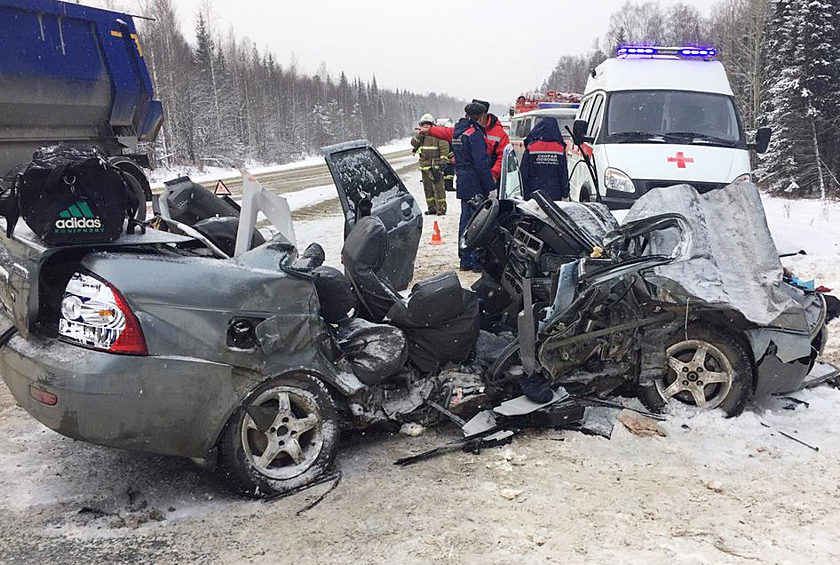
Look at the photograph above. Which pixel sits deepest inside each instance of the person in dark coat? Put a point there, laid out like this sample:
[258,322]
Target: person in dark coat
[544,161]
[473,175]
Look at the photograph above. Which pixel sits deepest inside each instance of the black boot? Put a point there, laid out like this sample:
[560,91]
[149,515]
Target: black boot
[536,389]
[430,213]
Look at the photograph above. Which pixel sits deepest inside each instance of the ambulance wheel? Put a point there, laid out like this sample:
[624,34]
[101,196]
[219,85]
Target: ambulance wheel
[707,368]
[283,436]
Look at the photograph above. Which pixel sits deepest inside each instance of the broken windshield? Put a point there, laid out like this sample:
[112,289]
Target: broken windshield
[363,174]
[643,116]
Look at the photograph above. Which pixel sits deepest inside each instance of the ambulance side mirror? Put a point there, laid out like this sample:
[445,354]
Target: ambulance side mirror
[762,139]
[579,128]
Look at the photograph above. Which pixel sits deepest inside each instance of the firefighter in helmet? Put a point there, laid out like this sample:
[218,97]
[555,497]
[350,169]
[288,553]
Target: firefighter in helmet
[434,153]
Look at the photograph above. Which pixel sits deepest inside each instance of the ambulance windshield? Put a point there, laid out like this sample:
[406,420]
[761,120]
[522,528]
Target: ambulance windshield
[668,116]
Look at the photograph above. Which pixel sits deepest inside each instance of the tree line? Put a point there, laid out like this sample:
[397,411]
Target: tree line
[227,102]
[782,58]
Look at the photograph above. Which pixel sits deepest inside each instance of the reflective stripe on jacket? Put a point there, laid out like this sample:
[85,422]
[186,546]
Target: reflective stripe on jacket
[496,139]
[433,152]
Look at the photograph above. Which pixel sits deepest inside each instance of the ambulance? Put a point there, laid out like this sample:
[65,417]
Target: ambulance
[657,116]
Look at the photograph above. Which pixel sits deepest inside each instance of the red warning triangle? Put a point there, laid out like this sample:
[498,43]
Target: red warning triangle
[221,189]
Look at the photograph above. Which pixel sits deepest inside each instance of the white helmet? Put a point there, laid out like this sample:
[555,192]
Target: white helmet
[427,118]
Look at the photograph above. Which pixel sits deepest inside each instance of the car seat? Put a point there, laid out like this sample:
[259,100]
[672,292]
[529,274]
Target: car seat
[375,352]
[214,217]
[439,317]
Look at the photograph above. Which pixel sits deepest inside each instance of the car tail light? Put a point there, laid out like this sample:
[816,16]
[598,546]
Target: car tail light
[95,314]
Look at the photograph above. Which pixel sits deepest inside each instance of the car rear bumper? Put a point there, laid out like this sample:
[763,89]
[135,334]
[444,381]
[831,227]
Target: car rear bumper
[158,404]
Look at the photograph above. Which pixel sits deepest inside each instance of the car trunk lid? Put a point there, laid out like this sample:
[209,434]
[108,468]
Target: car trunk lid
[23,257]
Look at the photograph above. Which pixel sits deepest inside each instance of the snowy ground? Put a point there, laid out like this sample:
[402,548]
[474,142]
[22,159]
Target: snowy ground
[713,491]
[161,174]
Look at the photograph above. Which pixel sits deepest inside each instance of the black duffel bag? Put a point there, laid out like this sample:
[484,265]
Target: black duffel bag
[72,195]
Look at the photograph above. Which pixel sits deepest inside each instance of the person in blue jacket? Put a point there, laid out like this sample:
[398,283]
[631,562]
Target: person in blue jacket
[544,161]
[472,169]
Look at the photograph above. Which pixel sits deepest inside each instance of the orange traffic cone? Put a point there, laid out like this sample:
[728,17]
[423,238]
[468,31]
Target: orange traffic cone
[436,239]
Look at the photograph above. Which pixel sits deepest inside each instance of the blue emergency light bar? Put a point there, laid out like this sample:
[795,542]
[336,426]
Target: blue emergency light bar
[703,52]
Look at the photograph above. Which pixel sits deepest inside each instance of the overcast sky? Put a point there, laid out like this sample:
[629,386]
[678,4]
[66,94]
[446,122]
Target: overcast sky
[491,49]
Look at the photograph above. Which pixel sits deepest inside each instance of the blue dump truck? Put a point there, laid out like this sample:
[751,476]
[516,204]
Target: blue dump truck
[70,73]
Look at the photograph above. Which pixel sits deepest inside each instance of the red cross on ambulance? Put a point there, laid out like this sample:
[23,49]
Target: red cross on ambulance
[680,159]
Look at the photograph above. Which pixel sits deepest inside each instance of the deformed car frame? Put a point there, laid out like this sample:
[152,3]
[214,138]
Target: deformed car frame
[193,354]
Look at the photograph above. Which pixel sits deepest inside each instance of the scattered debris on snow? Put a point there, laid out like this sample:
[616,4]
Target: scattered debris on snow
[714,485]
[510,493]
[640,425]
[412,430]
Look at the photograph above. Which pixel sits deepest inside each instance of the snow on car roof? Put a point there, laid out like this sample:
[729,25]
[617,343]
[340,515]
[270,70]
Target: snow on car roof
[659,73]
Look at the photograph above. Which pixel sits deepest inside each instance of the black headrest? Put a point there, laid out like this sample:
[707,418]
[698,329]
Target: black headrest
[335,294]
[367,245]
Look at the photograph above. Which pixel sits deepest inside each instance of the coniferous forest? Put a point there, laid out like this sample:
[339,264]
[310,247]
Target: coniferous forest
[226,101]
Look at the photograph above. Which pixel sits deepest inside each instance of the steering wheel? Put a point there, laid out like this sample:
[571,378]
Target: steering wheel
[480,225]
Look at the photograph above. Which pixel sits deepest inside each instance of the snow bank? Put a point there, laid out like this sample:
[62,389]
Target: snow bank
[161,174]
[812,226]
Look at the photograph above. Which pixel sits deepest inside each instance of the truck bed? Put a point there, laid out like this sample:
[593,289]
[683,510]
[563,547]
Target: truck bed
[70,73]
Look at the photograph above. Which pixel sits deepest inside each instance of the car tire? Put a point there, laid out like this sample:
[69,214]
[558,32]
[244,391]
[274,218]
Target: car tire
[283,436]
[703,352]
[137,189]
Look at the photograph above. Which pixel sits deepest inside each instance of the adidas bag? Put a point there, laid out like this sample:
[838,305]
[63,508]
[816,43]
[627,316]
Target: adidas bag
[71,195]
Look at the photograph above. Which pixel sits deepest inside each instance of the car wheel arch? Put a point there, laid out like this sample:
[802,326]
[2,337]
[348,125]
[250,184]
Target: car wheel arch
[238,465]
[255,384]
[585,184]
[729,324]
[721,340]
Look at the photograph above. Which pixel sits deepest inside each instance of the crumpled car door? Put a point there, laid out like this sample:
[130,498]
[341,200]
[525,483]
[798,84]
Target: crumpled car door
[359,171]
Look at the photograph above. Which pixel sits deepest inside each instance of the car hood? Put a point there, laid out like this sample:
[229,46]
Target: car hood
[732,262]
[680,163]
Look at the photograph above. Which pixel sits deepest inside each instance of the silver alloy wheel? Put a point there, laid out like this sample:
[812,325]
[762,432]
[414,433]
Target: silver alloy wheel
[699,374]
[293,440]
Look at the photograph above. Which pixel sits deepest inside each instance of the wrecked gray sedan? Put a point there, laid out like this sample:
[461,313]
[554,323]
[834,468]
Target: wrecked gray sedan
[171,342]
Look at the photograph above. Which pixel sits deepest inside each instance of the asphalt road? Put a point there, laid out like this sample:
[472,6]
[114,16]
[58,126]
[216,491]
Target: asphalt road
[309,176]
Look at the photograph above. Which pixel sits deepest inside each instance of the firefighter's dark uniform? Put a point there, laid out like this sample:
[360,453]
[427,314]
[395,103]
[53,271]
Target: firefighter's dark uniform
[448,170]
[434,153]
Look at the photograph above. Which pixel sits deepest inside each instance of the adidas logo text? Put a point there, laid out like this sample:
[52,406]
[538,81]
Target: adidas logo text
[78,217]
[78,223]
